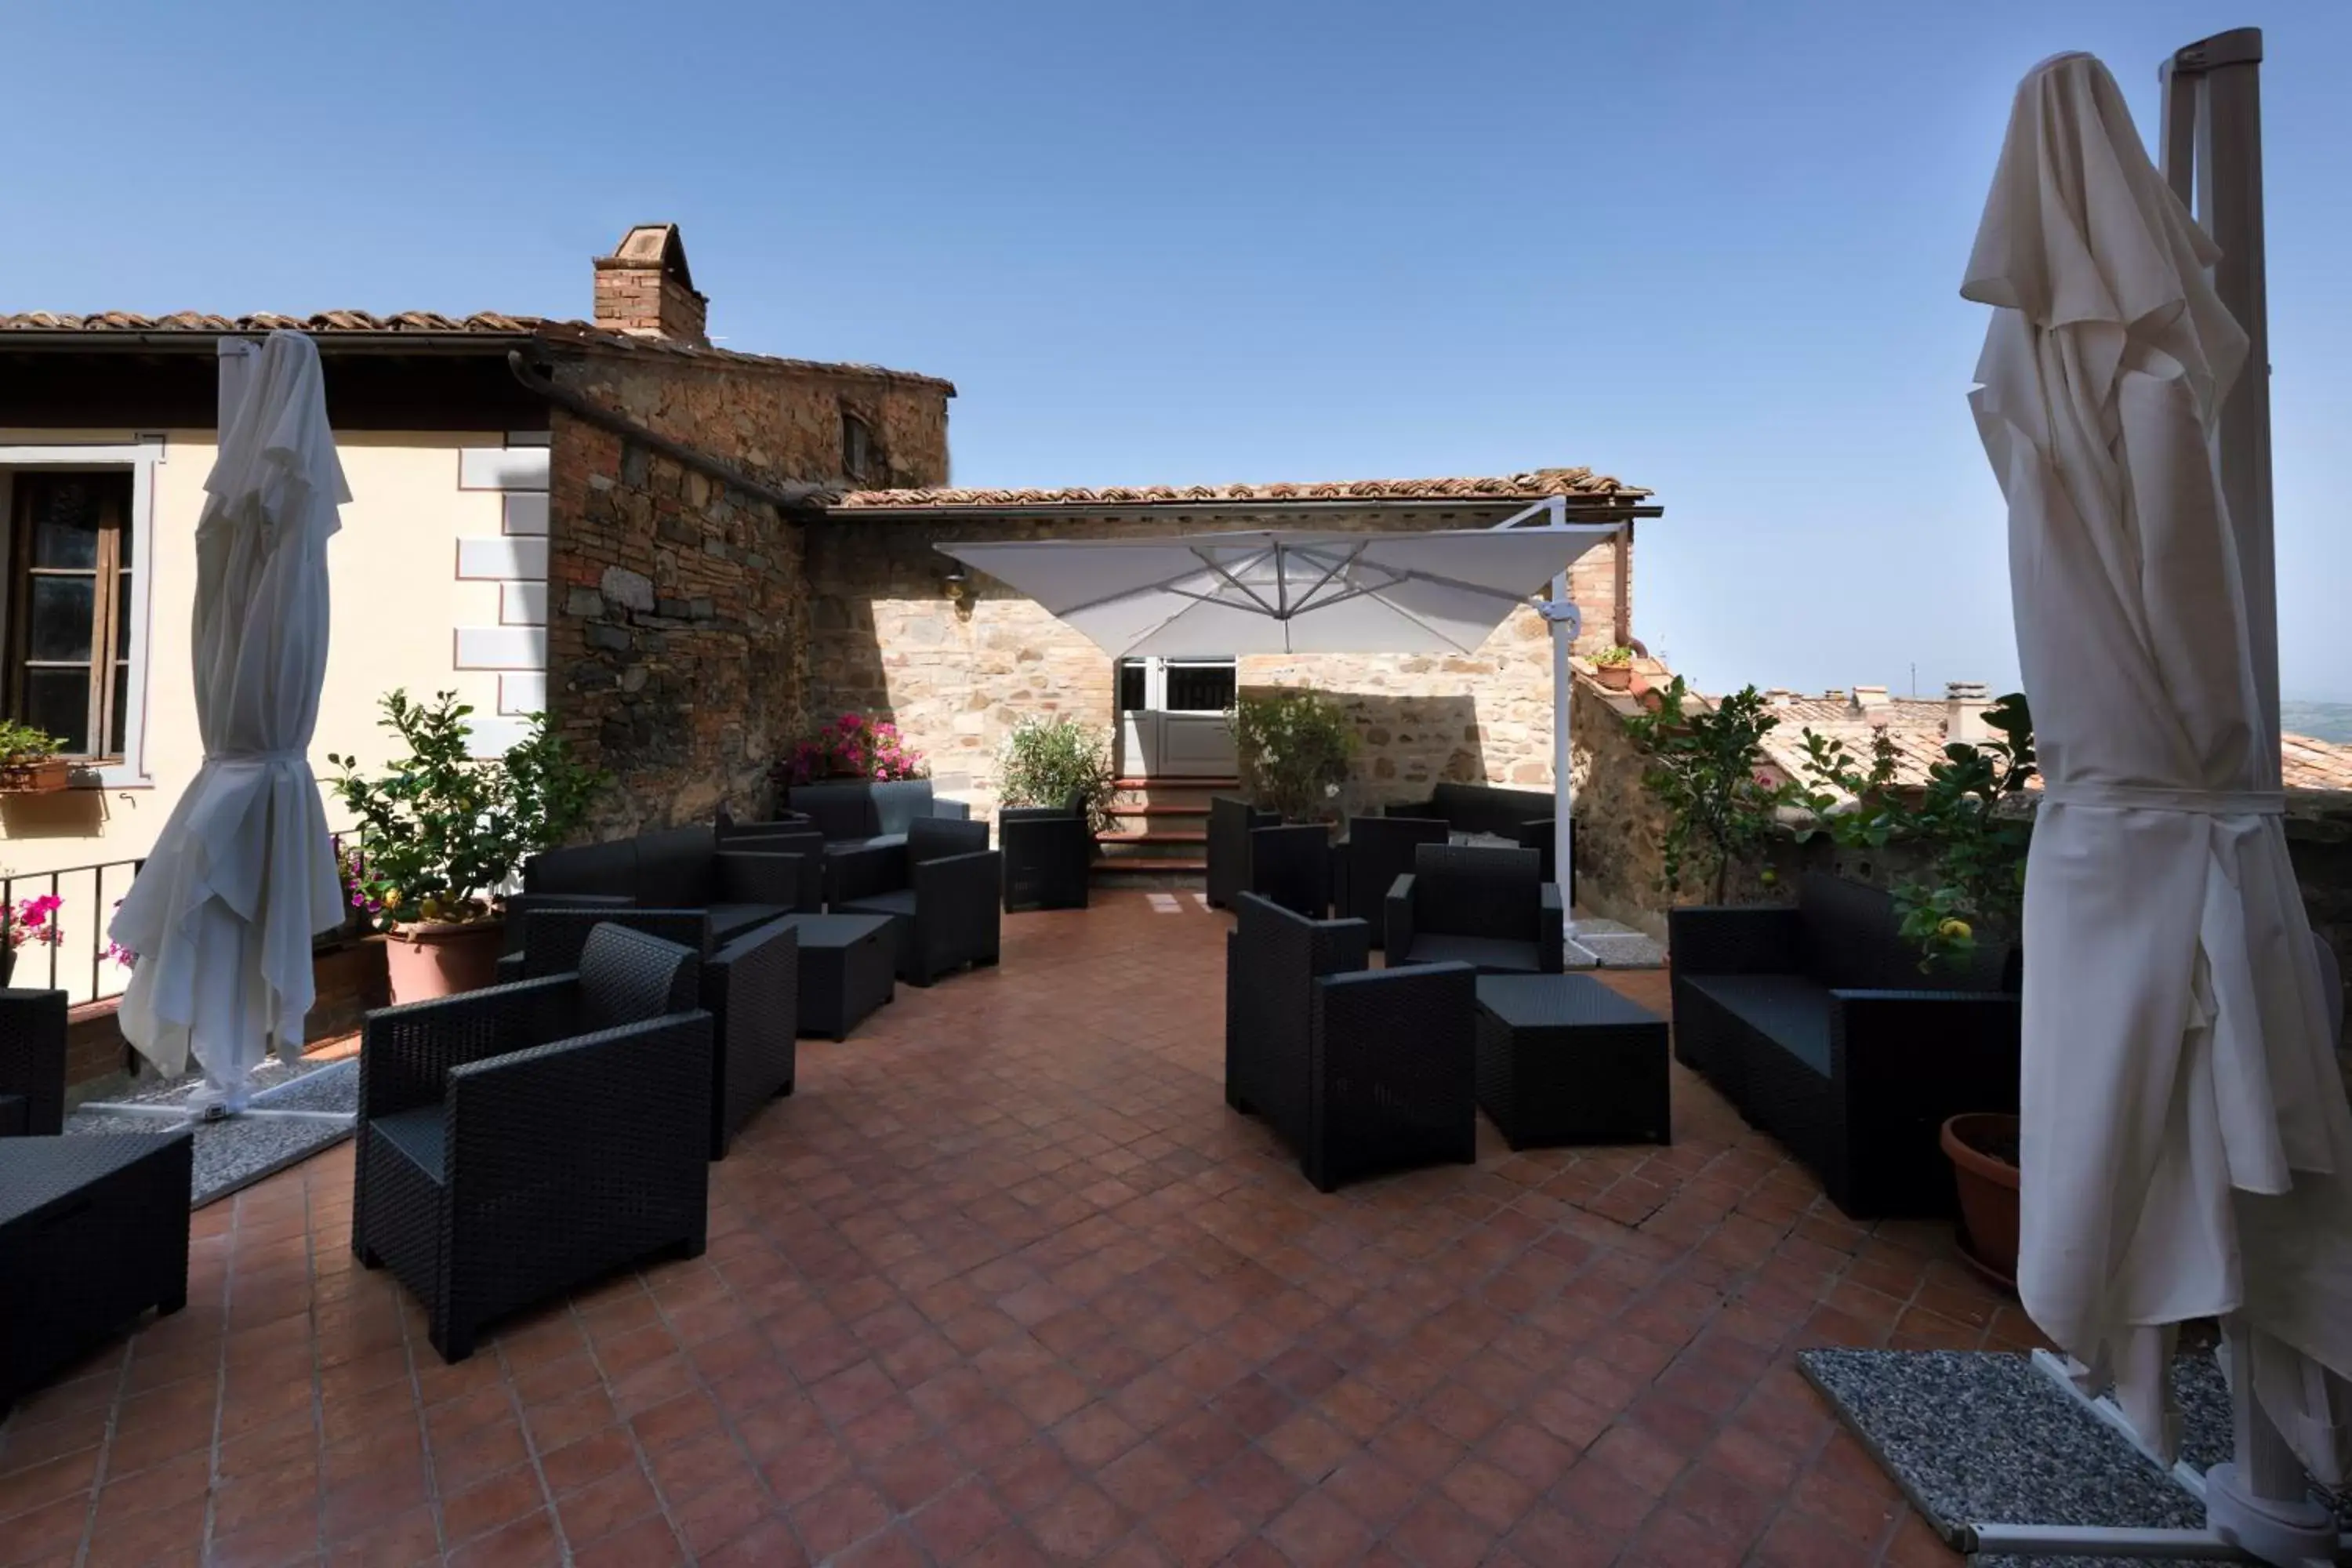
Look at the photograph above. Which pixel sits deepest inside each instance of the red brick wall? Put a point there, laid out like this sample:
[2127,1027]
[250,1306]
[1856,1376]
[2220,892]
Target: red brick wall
[679,609]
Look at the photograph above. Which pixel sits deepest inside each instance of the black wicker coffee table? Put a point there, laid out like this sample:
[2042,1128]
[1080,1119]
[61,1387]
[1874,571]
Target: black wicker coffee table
[1564,1059]
[849,966]
[93,1231]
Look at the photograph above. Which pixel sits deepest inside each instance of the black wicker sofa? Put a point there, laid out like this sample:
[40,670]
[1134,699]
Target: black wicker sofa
[742,883]
[1817,1022]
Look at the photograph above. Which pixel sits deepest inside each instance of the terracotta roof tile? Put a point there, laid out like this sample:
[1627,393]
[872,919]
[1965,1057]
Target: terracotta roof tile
[330,324]
[1916,726]
[1534,485]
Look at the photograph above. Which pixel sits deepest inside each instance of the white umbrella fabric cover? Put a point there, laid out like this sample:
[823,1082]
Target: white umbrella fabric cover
[1287,591]
[243,872]
[2187,1147]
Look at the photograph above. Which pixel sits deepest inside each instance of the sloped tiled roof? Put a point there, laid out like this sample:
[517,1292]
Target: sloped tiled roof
[1534,485]
[329,325]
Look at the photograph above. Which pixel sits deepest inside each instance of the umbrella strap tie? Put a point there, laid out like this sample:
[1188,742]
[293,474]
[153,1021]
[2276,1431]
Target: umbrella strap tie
[2157,797]
[301,756]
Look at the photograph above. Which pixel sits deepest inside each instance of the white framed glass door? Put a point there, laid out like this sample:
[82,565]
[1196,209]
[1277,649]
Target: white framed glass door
[1172,714]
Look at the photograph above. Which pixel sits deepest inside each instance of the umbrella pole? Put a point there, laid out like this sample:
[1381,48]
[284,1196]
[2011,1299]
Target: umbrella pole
[1560,612]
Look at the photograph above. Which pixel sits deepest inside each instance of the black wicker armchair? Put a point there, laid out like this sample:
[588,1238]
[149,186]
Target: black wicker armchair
[1358,1070]
[1817,1023]
[1365,863]
[939,888]
[1230,821]
[32,1063]
[1469,904]
[751,988]
[520,1141]
[1049,853]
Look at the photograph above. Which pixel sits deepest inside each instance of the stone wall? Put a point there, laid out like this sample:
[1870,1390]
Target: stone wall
[886,641]
[678,632]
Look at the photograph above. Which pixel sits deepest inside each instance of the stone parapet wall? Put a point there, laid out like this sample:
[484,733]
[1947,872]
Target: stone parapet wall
[679,627]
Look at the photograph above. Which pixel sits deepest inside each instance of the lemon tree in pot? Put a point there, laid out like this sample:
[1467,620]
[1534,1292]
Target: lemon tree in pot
[1968,830]
[441,833]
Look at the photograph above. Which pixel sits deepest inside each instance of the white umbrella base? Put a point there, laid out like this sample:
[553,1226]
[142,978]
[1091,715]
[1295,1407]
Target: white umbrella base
[294,1119]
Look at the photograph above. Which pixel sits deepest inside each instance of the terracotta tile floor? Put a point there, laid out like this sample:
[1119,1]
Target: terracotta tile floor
[1006,1283]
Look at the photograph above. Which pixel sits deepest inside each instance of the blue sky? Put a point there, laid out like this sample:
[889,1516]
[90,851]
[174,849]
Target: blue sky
[1713,249]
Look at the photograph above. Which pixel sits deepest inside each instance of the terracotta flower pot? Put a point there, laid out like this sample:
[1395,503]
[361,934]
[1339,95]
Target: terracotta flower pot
[1614,677]
[1988,1190]
[423,962]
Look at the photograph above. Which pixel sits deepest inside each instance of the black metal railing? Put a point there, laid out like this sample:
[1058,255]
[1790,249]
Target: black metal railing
[86,898]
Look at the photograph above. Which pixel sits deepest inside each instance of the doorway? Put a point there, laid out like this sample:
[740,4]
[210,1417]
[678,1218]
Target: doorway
[1171,717]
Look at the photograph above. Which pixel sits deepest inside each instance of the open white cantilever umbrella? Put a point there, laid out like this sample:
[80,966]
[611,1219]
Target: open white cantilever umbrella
[243,874]
[1295,591]
[2187,1148]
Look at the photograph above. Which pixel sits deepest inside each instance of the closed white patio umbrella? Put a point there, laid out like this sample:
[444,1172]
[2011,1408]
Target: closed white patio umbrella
[1275,590]
[243,874]
[2187,1148]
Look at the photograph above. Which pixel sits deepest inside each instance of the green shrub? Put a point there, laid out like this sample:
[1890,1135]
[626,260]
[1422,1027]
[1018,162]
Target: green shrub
[1704,769]
[441,831]
[1046,760]
[23,743]
[1293,747]
[1965,821]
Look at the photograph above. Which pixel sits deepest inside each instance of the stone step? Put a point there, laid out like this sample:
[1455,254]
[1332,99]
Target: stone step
[1157,810]
[1138,865]
[1156,836]
[1175,785]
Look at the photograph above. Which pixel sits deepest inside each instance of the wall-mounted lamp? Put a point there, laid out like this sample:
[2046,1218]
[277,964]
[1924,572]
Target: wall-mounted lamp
[957,589]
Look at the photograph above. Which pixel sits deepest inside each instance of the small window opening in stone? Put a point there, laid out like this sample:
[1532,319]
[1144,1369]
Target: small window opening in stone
[857,446]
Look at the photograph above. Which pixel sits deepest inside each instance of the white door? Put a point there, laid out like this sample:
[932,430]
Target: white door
[1173,717]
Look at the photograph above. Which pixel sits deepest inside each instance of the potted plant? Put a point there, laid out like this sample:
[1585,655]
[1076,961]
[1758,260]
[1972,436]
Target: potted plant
[854,746]
[441,833]
[1052,762]
[1613,668]
[1982,1147]
[29,764]
[1293,748]
[1963,910]
[1704,769]
[33,921]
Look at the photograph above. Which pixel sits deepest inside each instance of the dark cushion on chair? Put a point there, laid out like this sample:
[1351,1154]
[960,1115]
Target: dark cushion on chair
[1477,891]
[897,901]
[1491,955]
[674,867]
[585,869]
[1790,1010]
[418,1134]
[629,977]
[729,922]
[840,811]
[899,803]
[936,837]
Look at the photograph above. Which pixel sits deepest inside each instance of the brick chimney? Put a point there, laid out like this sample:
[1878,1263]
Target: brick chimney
[1866,697]
[1964,713]
[645,290]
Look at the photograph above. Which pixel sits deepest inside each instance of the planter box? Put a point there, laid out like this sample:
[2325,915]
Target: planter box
[44,777]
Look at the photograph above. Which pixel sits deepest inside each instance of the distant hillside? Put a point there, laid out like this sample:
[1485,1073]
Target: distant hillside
[2320,720]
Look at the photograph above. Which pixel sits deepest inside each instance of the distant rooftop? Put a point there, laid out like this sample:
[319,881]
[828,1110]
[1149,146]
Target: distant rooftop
[1919,729]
